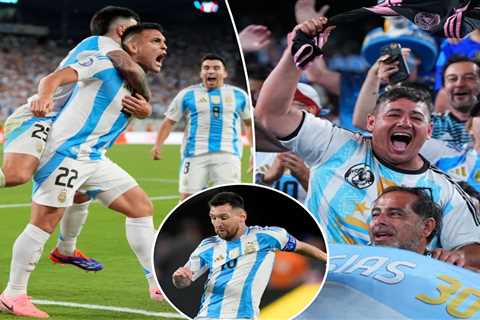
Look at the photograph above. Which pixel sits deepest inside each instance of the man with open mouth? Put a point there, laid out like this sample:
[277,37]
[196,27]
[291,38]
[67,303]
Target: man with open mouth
[212,145]
[349,170]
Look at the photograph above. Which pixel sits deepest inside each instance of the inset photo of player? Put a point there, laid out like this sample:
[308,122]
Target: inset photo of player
[240,251]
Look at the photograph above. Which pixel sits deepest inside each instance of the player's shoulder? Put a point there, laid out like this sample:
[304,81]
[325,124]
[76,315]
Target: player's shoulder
[210,241]
[265,229]
[235,89]
[190,89]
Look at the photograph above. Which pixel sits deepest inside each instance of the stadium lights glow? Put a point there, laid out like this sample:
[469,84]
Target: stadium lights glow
[9,1]
[206,6]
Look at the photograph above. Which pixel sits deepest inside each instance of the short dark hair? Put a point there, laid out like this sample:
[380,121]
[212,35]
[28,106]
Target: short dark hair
[103,18]
[423,206]
[213,56]
[457,59]
[138,28]
[231,198]
[411,93]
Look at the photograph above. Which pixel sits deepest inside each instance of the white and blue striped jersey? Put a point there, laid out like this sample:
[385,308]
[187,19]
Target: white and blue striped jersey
[461,164]
[92,119]
[212,118]
[238,271]
[287,183]
[90,46]
[346,177]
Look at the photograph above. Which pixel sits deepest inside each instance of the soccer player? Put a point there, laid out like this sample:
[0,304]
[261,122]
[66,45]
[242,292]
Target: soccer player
[238,259]
[26,135]
[74,158]
[211,148]
[348,171]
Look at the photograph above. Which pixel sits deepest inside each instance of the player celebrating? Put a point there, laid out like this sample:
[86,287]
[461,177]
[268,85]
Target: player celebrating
[211,147]
[26,135]
[74,158]
[238,251]
[349,171]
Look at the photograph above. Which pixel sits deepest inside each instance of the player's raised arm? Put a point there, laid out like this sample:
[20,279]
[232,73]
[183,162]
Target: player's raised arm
[131,72]
[308,250]
[182,278]
[273,105]
[43,103]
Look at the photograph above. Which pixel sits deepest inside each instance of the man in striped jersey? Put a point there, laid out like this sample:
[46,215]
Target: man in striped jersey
[26,134]
[239,261]
[74,158]
[349,171]
[212,145]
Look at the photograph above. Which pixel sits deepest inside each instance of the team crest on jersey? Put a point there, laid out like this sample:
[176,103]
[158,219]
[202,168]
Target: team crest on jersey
[234,253]
[228,99]
[426,20]
[215,99]
[87,62]
[250,247]
[62,196]
[360,176]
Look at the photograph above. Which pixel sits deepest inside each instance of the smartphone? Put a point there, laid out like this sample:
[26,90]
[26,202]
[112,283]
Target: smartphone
[394,50]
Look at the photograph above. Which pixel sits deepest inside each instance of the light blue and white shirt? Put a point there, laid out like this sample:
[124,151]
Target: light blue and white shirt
[461,164]
[212,119]
[287,183]
[88,47]
[92,119]
[91,46]
[238,271]
[346,177]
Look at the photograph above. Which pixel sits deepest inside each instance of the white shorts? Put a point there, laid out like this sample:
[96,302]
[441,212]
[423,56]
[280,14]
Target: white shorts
[59,177]
[197,173]
[25,133]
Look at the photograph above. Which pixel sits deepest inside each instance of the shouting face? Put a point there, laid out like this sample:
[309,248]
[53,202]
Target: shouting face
[399,129]
[213,73]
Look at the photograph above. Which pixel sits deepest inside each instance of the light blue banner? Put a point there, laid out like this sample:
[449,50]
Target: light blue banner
[386,283]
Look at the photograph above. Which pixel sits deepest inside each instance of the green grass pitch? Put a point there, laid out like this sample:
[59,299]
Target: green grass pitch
[121,283]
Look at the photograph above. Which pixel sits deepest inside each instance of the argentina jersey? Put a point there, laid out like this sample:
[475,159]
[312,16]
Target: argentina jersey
[213,119]
[447,127]
[287,183]
[87,47]
[238,271]
[461,164]
[346,177]
[95,120]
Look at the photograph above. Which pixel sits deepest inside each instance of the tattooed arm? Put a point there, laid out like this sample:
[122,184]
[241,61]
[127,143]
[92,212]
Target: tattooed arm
[131,72]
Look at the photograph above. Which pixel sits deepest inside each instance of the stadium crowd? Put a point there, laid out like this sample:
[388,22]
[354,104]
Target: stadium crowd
[350,86]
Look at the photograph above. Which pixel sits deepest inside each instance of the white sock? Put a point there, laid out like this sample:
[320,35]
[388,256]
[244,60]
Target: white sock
[2,179]
[27,250]
[70,227]
[140,236]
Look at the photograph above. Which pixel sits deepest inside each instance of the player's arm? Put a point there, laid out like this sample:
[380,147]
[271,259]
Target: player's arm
[163,133]
[43,103]
[308,250]
[248,130]
[131,72]
[273,105]
[182,277]
[137,106]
